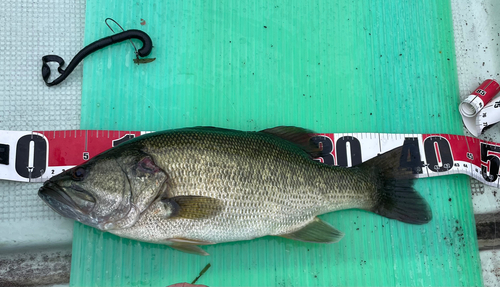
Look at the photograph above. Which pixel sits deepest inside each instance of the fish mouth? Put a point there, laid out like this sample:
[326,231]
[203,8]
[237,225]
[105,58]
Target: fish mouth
[59,201]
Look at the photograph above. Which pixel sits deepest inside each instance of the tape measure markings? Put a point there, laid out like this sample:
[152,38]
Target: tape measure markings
[479,109]
[38,155]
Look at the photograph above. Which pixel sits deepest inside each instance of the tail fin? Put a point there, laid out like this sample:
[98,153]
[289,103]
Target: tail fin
[395,197]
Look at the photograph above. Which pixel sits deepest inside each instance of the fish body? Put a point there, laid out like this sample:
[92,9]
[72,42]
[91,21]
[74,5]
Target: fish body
[198,186]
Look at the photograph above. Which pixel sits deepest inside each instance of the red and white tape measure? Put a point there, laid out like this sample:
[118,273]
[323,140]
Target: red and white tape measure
[481,109]
[35,156]
[38,155]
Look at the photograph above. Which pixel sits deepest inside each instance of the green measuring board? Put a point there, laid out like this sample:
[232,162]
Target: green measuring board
[330,66]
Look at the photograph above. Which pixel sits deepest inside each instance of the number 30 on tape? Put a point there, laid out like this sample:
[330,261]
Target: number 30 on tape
[36,156]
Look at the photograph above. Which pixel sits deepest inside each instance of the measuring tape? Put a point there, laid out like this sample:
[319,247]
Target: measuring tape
[481,109]
[36,156]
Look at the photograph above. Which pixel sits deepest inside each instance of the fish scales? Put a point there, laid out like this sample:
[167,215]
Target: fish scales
[267,185]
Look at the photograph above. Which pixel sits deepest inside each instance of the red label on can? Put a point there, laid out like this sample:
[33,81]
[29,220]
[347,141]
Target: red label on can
[487,91]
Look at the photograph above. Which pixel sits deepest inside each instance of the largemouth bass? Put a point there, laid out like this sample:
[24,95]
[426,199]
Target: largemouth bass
[199,186]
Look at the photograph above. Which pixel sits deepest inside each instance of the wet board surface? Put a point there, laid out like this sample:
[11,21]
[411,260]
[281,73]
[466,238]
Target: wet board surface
[331,66]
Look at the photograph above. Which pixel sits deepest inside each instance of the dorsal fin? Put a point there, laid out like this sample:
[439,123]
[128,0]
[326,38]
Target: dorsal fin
[298,136]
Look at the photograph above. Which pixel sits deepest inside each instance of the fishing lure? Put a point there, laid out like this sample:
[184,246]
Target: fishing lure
[145,50]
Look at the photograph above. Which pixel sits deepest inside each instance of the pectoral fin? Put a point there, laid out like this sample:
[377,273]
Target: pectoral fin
[193,207]
[316,231]
[188,245]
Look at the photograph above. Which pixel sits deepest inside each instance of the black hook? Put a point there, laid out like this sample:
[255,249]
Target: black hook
[147,46]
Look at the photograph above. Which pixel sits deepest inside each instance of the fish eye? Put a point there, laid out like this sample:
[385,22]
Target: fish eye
[78,174]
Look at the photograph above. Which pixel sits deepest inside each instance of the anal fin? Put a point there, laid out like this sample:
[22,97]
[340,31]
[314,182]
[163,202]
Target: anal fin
[316,231]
